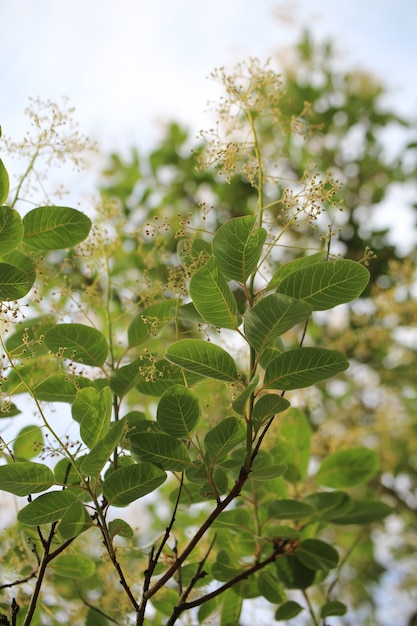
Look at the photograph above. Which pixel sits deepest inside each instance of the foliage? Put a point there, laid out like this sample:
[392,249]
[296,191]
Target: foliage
[182,340]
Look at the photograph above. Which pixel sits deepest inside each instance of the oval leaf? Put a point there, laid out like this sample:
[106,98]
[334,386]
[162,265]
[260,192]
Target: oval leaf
[47,508]
[317,555]
[78,342]
[203,358]
[327,284]
[178,412]
[92,409]
[212,296]
[73,566]
[28,443]
[54,228]
[14,282]
[4,182]
[303,367]
[11,227]
[237,247]
[160,449]
[25,478]
[150,321]
[348,468]
[75,521]
[288,610]
[95,460]
[225,436]
[127,484]
[273,316]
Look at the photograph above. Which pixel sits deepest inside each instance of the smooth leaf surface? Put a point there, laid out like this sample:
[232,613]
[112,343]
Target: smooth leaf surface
[54,228]
[150,321]
[94,462]
[302,367]
[127,484]
[178,412]
[77,342]
[237,246]
[288,268]
[14,282]
[163,376]
[25,477]
[60,388]
[47,508]
[317,555]
[125,378]
[11,227]
[75,521]
[92,409]
[161,449]
[225,436]
[327,284]
[348,468]
[203,358]
[28,443]
[290,509]
[362,512]
[212,296]
[288,610]
[4,183]
[273,316]
[333,608]
[295,431]
[73,566]
[267,406]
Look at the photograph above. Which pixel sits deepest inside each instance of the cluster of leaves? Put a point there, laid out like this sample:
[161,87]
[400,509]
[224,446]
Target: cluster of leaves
[180,350]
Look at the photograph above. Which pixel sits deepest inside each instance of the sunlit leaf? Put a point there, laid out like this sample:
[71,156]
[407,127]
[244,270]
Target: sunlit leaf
[95,460]
[92,409]
[25,477]
[14,282]
[47,508]
[212,296]
[28,443]
[203,358]
[11,226]
[237,246]
[295,431]
[161,449]
[348,468]
[75,521]
[127,484]
[60,388]
[54,228]
[303,367]
[77,342]
[288,268]
[4,183]
[327,284]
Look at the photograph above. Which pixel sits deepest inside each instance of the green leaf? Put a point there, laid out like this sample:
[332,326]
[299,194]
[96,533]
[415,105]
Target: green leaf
[203,358]
[120,527]
[126,377]
[73,566]
[28,443]
[193,250]
[94,462]
[25,477]
[54,228]
[317,555]
[362,513]
[60,388]
[77,342]
[288,268]
[267,406]
[94,618]
[231,608]
[290,509]
[162,376]
[4,182]
[161,449]
[333,608]
[225,436]
[14,282]
[237,246]
[127,484]
[273,316]
[293,574]
[240,402]
[47,508]
[212,296]
[11,227]
[348,468]
[27,340]
[270,587]
[75,521]
[329,504]
[150,321]
[303,367]
[327,284]
[92,409]
[178,412]
[288,610]
[294,430]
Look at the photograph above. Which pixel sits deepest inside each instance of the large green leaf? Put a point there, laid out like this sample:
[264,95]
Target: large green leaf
[73,566]
[273,316]
[288,268]
[231,608]
[294,432]
[362,512]
[123,379]
[303,367]
[150,321]
[27,338]
[178,412]
[75,521]
[212,296]
[127,484]
[28,443]
[47,508]
[267,406]
[162,376]
[327,284]
[160,449]
[95,460]
[294,574]
[203,358]
[237,246]
[348,468]
[290,509]
[54,228]
[14,282]
[225,436]
[11,228]
[24,478]
[60,388]
[92,409]
[288,610]
[78,342]
[4,183]
[329,505]
[317,555]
